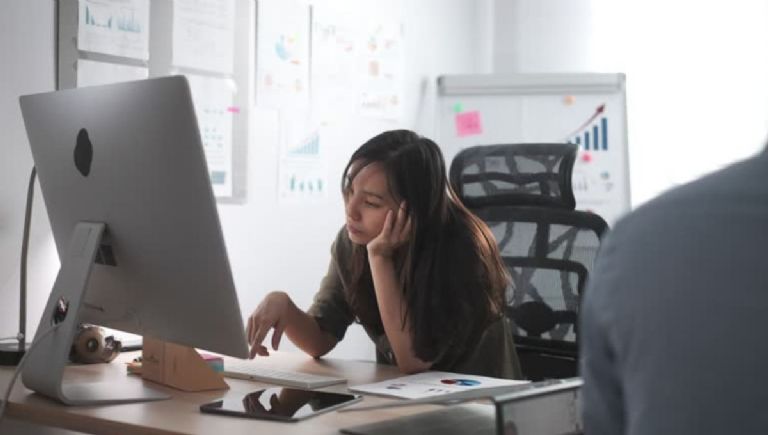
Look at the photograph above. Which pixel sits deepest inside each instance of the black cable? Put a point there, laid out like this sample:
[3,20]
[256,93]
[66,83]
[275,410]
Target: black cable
[22,337]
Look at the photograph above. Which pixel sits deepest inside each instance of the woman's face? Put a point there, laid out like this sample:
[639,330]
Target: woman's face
[366,202]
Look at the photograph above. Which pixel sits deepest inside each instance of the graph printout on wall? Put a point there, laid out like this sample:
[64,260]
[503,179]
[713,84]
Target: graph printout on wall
[108,41]
[584,109]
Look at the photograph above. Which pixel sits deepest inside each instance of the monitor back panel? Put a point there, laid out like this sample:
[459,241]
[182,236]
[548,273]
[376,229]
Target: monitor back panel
[146,177]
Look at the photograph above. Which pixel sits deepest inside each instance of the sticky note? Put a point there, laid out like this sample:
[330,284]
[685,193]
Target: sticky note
[468,124]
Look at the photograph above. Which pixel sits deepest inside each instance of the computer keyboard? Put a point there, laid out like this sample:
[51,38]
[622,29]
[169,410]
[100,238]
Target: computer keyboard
[251,370]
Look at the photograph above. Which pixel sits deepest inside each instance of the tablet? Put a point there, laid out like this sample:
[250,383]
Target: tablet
[285,404]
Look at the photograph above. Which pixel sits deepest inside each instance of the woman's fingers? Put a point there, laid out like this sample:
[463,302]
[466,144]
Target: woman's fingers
[386,230]
[277,334]
[406,231]
[256,347]
[402,225]
[397,228]
[260,334]
[253,328]
[249,329]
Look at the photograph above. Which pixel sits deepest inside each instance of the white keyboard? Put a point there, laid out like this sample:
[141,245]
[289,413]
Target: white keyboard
[252,371]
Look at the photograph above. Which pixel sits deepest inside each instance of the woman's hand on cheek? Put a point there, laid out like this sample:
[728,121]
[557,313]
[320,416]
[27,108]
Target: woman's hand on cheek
[395,232]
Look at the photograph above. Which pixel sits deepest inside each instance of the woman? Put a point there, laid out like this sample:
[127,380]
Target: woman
[420,272]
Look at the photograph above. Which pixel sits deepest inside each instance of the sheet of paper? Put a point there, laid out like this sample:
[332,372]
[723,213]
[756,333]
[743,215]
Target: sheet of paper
[213,99]
[336,73]
[357,61]
[382,62]
[431,384]
[116,27]
[303,171]
[282,68]
[204,34]
[91,73]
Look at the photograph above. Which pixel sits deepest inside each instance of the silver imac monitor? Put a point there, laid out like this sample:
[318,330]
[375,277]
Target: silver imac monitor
[128,194]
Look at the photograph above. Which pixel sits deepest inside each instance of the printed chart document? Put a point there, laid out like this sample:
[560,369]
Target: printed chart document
[119,28]
[215,109]
[204,34]
[432,384]
[282,67]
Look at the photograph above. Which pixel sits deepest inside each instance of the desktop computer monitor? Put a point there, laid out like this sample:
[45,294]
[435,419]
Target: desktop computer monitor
[128,194]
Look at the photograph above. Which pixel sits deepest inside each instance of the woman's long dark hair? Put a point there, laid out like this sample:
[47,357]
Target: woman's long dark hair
[450,271]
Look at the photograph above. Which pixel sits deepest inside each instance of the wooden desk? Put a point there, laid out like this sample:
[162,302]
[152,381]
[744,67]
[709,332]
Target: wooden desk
[181,414]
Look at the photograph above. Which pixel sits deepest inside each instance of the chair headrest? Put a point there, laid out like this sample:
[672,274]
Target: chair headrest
[515,174]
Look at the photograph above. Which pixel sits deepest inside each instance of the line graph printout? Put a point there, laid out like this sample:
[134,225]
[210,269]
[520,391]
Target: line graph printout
[115,27]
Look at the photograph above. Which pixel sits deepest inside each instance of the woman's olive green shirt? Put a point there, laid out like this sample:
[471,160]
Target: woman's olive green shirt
[492,355]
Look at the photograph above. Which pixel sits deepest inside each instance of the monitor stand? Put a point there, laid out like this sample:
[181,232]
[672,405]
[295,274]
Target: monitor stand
[43,371]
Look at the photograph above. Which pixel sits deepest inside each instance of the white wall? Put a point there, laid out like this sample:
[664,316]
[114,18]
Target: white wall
[541,36]
[697,74]
[697,83]
[26,66]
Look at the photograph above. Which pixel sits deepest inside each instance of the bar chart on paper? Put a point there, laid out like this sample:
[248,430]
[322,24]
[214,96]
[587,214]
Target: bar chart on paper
[114,28]
[592,134]
[297,183]
[594,174]
[94,18]
[303,172]
[127,21]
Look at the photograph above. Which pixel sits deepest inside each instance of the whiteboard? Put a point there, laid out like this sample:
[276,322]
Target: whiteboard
[587,109]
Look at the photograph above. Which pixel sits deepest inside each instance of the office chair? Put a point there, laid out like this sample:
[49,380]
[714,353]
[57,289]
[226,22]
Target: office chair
[523,192]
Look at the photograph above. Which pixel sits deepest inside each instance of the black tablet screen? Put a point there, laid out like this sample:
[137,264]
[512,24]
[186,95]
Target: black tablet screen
[280,403]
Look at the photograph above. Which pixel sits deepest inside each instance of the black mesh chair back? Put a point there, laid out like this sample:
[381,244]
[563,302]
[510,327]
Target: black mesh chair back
[520,174]
[524,193]
[549,254]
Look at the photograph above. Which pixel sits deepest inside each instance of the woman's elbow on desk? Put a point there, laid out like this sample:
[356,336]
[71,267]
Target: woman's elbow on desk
[413,367]
[321,346]
[318,353]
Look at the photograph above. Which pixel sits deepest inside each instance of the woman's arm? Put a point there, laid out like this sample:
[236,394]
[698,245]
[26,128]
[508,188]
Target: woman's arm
[278,312]
[389,295]
[392,308]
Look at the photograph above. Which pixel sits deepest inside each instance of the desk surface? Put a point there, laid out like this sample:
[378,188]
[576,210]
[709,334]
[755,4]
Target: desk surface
[181,414]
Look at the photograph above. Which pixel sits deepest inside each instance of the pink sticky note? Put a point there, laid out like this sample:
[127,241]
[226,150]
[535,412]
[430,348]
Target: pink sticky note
[468,124]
